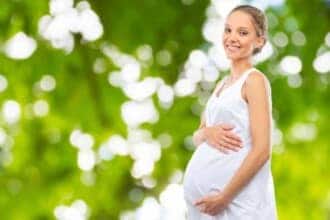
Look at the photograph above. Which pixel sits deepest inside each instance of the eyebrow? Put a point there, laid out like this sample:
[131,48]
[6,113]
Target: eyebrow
[245,28]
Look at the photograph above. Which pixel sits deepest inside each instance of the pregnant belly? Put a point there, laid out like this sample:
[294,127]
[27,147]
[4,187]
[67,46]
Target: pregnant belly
[210,170]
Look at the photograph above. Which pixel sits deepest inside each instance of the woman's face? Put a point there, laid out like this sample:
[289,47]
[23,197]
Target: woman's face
[240,37]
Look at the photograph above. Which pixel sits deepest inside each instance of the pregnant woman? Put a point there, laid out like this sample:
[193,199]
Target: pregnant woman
[229,178]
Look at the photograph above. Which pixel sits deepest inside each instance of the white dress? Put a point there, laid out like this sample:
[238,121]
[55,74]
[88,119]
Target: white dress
[210,170]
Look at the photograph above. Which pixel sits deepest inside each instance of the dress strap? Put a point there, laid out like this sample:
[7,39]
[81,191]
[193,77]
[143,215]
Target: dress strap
[238,83]
[245,76]
[221,84]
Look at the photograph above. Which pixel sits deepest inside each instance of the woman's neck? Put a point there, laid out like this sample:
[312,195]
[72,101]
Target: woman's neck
[238,67]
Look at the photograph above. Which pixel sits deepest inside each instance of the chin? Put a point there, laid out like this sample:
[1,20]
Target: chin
[236,56]
[233,56]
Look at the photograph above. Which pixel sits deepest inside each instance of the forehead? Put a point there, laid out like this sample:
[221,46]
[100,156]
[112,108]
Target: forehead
[239,19]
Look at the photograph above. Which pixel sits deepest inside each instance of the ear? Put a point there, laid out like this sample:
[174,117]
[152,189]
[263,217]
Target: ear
[260,42]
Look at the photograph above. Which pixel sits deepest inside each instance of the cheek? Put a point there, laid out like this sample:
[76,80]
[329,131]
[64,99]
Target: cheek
[224,38]
[247,43]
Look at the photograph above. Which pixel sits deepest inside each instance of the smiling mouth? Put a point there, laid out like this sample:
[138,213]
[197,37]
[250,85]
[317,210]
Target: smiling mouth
[232,48]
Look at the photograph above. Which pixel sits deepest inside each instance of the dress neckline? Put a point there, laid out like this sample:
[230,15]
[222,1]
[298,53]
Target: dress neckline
[221,89]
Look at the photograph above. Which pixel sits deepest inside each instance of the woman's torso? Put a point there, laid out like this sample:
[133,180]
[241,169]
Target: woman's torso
[209,169]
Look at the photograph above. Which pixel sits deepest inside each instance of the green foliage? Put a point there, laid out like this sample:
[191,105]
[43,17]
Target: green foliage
[43,173]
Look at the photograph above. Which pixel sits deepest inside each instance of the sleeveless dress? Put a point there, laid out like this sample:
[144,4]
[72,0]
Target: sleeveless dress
[209,170]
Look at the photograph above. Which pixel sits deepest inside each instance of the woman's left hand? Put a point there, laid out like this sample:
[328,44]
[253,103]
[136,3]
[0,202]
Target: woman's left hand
[212,204]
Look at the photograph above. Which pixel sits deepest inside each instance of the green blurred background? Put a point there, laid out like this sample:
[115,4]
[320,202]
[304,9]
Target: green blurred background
[96,121]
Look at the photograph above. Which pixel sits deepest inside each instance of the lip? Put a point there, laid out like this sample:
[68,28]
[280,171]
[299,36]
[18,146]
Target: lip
[232,48]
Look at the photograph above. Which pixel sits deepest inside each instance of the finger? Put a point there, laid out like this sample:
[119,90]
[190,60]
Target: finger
[206,208]
[232,141]
[210,211]
[226,138]
[219,146]
[226,143]
[232,144]
[213,213]
[225,147]
[217,141]
[233,136]
[199,202]
[229,147]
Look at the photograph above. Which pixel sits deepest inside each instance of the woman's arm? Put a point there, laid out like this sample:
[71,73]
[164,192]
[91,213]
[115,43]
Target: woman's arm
[258,94]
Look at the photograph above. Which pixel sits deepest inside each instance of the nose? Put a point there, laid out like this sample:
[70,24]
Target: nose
[230,37]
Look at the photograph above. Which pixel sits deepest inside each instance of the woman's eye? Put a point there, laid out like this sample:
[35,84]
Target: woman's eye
[243,33]
[227,30]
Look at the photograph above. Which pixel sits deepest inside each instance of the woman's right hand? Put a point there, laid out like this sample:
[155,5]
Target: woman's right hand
[222,138]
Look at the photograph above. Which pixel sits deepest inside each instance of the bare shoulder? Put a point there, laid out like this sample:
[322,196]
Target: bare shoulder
[257,80]
[257,77]
[257,87]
